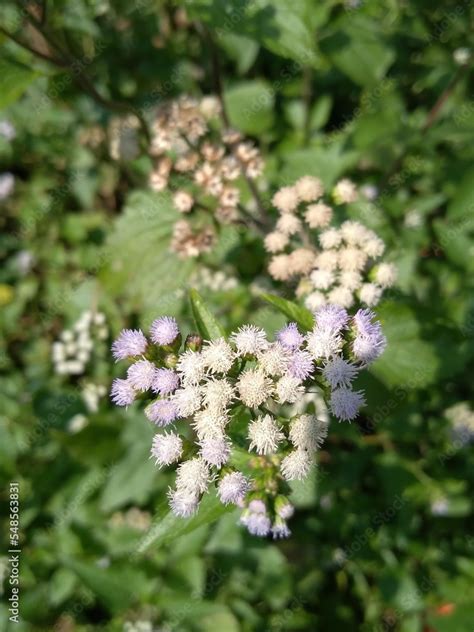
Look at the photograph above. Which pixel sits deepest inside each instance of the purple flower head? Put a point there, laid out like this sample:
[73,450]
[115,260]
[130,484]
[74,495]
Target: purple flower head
[345,403]
[257,523]
[232,488]
[130,343]
[162,412]
[300,365]
[290,337]
[370,341]
[280,529]
[331,317]
[257,506]
[141,374]
[164,330]
[165,381]
[122,392]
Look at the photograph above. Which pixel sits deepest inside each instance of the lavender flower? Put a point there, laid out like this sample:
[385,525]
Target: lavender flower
[165,381]
[339,372]
[164,330]
[345,403]
[122,392]
[162,412]
[370,341]
[232,488]
[290,337]
[301,365]
[331,317]
[130,343]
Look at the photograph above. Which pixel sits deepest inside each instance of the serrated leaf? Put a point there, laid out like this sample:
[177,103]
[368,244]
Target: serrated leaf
[302,316]
[207,325]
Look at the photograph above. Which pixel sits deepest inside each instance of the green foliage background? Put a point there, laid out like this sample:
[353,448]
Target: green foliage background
[372,90]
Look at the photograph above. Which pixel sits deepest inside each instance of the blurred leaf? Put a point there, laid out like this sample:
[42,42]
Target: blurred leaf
[250,106]
[355,46]
[299,314]
[207,325]
[14,80]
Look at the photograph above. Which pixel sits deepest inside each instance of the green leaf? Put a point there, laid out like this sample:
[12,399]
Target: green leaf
[250,106]
[207,325]
[137,259]
[356,48]
[168,527]
[462,205]
[282,26]
[14,80]
[299,314]
[407,359]
[116,590]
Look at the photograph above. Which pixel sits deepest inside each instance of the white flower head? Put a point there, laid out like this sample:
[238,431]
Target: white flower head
[330,238]
[323,342]
[183,503]
[166,448]
[193,476]
[322,279]
[370,294]
[309,188]
[254,387]
[218,356]
[286,199]
[232,488]
[289,224]
[289,389]
[307,432]
[296,465]
[249,340]
[187,400]
[218,394]
[276,242]
[274,360]
[315,300]
[386,274]
[264,435]
[215,450]
[191,367]
[141,374]
[342,296]
[209,423]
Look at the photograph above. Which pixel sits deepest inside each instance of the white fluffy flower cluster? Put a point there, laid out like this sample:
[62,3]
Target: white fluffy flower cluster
[203,165]
[334,264]
[241,391]
[461,417]
[73,350]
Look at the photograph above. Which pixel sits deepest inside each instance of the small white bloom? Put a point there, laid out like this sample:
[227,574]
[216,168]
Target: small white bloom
[296,465]
[345,403]
[264,435]
[322,279]
[288,224]
[141,374]
[183,504]
[254,387]
[289,389]
[274,360]
[309,188]
[370,294]
[276,242]
[218,394]
[323,343]
[209,423]
[286,199]
[307,432]
[315,300]
[330,238]
[166,448]
[191,367]
[341,296]
[193,476]
[187,400]
[218,356]
[249,340]
[386,274]
[232,488]
[215,450]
